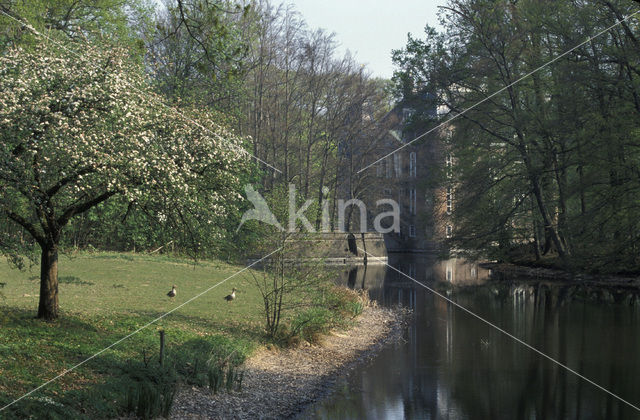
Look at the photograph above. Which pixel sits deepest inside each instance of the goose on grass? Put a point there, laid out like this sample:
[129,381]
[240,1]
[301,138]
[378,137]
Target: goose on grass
[232,296]
[172,293]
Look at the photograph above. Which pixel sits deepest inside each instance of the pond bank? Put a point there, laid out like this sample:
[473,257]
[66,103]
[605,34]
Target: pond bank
[509,270]
[282,383]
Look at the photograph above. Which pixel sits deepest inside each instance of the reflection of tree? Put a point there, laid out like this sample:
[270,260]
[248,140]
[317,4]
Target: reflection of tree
[582,357]
[445,370]
[507,379]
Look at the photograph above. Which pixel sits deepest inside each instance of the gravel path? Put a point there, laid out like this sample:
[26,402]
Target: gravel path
[282,383]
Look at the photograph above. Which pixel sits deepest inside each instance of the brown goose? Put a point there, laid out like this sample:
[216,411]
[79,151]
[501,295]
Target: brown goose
[232,296]
[173,292]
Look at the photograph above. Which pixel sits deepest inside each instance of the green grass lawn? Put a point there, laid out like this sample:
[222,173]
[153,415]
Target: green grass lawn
[104,297]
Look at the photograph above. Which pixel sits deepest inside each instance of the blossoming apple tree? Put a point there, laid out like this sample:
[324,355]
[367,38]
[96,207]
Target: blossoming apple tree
[79,129]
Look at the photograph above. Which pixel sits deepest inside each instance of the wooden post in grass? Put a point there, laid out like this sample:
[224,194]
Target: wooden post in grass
[161,347]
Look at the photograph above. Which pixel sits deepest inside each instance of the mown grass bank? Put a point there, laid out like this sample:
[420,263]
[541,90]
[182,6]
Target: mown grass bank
[106,296]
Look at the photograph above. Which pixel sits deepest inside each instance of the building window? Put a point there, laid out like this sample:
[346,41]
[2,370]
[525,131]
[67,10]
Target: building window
[380,169]
[412,201]
[412,231]
[449,200]
[412,164]
[449,231]
[397,164]
[406,114]
[388,166]
[449,165]
[387,192]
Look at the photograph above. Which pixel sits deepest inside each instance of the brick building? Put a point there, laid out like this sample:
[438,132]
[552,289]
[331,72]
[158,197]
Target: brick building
[412,176]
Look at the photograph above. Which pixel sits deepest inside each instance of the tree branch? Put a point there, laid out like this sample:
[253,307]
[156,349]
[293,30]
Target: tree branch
[82,207]
[66,180]
[28,226]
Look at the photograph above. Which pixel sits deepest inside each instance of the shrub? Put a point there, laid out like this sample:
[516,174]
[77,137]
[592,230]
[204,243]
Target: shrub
[345,302]
[311,324]
[195,359]
[335,307]
[152,391]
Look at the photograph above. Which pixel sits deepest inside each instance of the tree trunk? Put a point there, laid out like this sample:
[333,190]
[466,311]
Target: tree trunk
[546,218]
[536,235]
[48,306]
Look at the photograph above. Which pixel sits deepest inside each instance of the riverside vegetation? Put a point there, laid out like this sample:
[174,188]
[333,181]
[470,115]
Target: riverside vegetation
[552,155]
[105,297]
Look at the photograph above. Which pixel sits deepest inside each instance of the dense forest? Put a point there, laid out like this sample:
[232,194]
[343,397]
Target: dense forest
[544,103]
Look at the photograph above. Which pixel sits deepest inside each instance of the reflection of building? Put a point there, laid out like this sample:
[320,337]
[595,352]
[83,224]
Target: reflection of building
[460,272]
[391,287]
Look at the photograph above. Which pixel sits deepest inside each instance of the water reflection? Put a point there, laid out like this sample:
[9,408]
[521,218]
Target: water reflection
[453,366]
[392,288]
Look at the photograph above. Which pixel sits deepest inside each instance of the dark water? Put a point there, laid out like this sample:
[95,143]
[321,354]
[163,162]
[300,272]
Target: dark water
[453,366]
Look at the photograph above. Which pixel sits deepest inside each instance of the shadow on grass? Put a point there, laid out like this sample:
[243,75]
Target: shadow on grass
[113,257]
[66,280]
[236,328]
[74,280]
[33,351]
